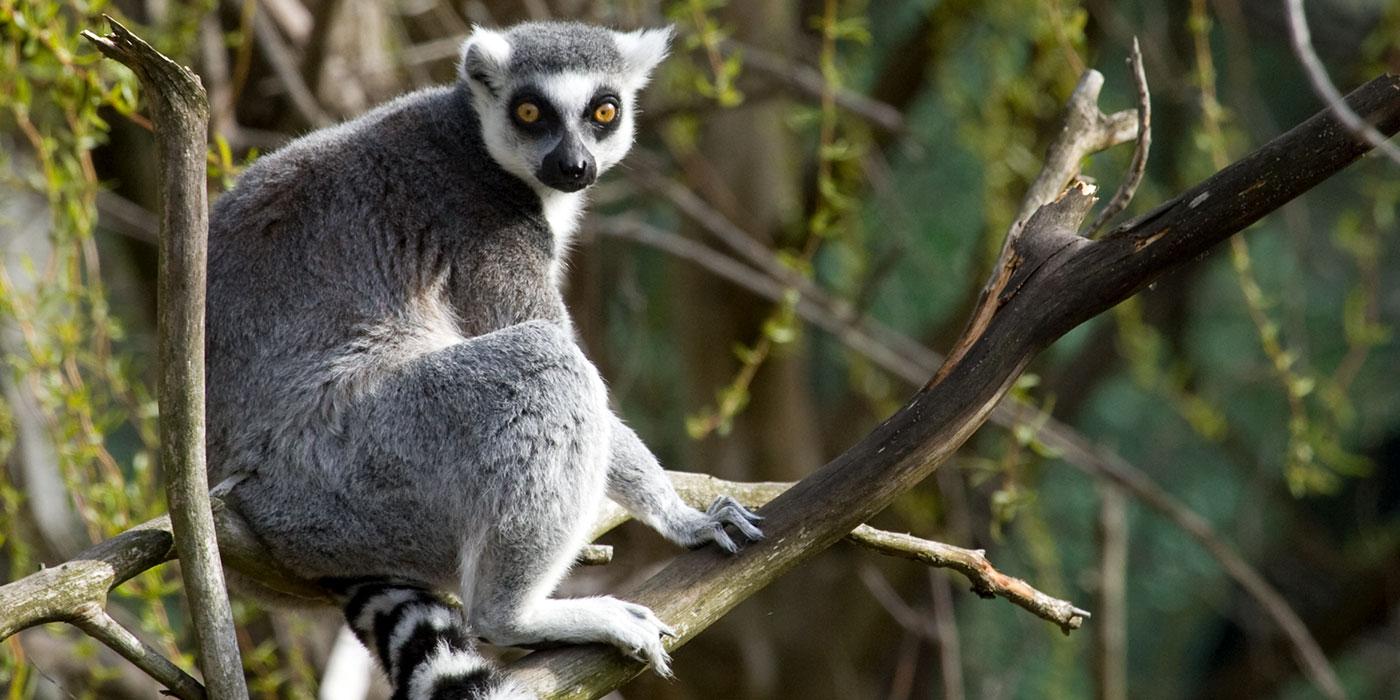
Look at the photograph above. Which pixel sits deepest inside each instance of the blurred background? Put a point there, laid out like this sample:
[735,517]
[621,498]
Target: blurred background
[818,191]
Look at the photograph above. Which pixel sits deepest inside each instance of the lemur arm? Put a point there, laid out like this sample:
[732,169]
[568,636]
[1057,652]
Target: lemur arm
[637,482]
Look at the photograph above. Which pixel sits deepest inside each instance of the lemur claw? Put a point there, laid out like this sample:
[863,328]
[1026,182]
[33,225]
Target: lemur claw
[726,511]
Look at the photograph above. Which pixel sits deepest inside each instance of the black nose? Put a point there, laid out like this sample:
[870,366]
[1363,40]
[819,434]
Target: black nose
[573,168]
[569,167]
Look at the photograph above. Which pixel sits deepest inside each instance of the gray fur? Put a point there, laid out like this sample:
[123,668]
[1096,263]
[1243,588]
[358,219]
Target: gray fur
[556,47]
[394,388]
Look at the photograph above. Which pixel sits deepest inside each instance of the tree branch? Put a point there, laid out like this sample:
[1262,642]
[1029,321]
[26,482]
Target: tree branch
[1301,40]
[699,490]
[1138,167]
[92,619]
[1048,281]
[180,113]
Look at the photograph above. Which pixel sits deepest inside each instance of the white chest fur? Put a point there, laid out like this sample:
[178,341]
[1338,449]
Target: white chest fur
[562,211]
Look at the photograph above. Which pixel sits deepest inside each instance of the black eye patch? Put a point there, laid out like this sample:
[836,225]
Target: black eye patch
[531,113]
[604,113]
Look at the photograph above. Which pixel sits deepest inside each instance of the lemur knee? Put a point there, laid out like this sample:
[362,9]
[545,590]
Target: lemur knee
[498,626]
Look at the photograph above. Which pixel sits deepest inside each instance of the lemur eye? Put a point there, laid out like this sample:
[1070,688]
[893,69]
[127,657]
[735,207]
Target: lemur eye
[527,112]
[605,113]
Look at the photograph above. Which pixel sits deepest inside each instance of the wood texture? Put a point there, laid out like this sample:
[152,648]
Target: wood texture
[1049,280]
[180,114]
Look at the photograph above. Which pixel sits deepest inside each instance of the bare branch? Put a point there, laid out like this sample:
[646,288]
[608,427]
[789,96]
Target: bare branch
[594,555]
[808,81]
[1078,451]
[1111,627]
[284,66]
[987,582]
[92,619]
[1138,167]
[318,44]
[180,113]
[1085,130]
[1050,281]
[1301,39]
[699,490]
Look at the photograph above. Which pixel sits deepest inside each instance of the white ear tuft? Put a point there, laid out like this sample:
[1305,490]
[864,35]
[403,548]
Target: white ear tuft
[483,59]
[642,50]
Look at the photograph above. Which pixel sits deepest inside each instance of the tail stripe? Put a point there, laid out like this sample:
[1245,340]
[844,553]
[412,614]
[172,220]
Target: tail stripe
[449,673]
[423,638]
[423,645]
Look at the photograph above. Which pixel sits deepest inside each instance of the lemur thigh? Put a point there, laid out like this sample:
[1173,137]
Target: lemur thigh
[512,425]
[638,483]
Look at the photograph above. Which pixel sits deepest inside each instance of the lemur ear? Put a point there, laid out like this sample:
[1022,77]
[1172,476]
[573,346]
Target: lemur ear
[641,51]
[484,57]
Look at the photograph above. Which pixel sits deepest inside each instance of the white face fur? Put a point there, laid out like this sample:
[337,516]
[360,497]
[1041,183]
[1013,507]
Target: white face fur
[558,131]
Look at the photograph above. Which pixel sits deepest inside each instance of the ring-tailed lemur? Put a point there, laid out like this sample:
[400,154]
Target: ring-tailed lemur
[395,394]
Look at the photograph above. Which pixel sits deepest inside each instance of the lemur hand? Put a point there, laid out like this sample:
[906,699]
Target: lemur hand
[709,526]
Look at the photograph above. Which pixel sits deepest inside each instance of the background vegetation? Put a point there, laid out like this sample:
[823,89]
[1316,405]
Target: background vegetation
[880,149]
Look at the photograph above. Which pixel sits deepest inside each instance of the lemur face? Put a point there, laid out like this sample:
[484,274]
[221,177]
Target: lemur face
[556,101]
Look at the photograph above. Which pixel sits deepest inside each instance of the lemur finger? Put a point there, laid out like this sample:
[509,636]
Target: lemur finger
[722,539]
[730,512]
[731,504]
[748,529]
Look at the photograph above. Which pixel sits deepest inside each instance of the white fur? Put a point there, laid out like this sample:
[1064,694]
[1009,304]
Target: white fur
[383,603]
[562,210]
[642,51]
[442,661]
[348,671]
[432,613]
[494,48]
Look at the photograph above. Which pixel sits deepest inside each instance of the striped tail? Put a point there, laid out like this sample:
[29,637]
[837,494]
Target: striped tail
[423,645]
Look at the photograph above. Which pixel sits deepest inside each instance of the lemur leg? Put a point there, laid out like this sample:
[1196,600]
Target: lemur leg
[510,603]
[637,482]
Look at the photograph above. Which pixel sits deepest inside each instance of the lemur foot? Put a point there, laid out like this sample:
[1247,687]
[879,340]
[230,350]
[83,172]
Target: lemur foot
[636,631]
[725,511]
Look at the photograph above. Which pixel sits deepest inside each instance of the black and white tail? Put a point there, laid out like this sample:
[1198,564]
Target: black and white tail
[423,645]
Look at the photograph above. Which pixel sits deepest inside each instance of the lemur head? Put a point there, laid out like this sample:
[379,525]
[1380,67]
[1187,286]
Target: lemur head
[556,100]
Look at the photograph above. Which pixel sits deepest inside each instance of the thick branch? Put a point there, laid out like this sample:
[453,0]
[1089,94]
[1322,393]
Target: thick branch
[180,113]
[1049,281]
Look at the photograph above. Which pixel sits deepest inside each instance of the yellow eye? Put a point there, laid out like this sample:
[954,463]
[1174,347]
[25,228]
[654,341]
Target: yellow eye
[605,113]
[527,112]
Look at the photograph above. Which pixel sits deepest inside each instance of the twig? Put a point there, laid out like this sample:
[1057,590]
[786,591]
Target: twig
[222,121]
[1086,130]
[180,113]
[898,609]
[317,46]
[284,65]
[1138,167]
[594,555]
[1301,39]
[808,81]
[93,620]
[292,19]
[701,489]
[987,582]
[1111,627]
[945,623]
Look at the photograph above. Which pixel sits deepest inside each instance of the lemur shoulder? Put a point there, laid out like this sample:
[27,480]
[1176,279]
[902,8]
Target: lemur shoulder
[396,401]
